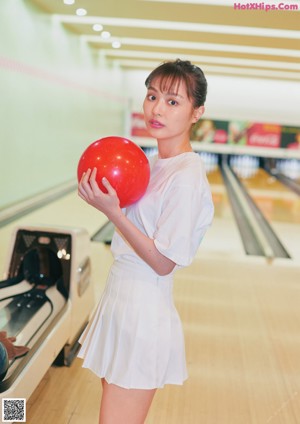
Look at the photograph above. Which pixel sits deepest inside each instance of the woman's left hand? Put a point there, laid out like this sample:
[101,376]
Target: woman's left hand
[89,191]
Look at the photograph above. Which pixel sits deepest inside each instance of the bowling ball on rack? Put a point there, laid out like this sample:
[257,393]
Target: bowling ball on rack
[122,162]
[4,362]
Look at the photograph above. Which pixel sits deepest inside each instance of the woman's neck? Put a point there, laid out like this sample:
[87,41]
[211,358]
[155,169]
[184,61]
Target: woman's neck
[168,149]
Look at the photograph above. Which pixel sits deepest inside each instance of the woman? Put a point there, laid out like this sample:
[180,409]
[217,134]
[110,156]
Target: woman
[135,341]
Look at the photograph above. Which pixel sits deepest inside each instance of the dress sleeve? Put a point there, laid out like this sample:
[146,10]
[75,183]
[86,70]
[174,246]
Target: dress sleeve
[186,214]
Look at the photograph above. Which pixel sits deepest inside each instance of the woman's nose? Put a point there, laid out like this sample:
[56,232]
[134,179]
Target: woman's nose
[157,108]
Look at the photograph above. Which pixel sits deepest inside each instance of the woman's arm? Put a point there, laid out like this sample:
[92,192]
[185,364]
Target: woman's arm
[108,203]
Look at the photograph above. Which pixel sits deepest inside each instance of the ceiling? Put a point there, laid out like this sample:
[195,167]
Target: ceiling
[221,38]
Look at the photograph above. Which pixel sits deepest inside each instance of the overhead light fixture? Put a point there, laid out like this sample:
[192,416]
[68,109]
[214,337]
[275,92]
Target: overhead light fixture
[105,35]
[97,27]
[81,12]
[116,44]
[69,2]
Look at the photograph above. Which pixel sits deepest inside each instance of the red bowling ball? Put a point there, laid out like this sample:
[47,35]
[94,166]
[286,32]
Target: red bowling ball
[122,162]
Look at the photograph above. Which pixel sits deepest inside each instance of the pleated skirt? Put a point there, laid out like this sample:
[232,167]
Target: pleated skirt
[135,338]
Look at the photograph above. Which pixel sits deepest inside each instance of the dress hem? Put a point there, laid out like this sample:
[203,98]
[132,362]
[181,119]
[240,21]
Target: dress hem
[137,387]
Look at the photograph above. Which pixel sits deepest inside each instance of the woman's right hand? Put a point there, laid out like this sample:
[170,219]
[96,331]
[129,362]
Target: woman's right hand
[89,191]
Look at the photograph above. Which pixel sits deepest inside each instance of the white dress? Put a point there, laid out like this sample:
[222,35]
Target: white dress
[135,338]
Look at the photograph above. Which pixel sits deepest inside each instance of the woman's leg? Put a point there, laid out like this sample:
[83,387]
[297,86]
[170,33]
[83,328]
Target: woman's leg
[124,406]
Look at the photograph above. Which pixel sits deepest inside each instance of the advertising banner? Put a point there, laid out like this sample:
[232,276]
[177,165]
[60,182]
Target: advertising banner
[245,133]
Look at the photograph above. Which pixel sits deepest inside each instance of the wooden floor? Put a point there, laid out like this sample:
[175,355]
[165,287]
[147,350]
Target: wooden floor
[242,328]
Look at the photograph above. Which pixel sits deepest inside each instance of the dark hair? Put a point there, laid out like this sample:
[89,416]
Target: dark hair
[172,73]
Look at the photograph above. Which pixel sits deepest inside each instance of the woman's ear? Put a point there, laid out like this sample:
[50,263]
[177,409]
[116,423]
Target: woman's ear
[198,112]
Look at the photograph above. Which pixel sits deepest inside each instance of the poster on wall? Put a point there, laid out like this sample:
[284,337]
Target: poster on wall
[257,134]
[243,133]
[210,131]
[290,137]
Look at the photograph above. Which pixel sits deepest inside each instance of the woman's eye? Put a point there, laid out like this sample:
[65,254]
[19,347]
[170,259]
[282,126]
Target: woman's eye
[151,97]
[172,102]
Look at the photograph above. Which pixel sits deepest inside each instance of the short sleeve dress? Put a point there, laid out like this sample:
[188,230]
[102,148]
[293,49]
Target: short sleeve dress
[135,338]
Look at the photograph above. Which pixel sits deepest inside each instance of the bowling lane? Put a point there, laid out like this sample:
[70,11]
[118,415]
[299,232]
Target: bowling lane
[279,205]
[223,237]
[282,201]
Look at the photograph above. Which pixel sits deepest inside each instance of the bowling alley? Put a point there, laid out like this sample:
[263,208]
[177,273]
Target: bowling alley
[150,212]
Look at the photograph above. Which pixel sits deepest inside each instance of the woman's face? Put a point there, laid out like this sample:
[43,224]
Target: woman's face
[168,112]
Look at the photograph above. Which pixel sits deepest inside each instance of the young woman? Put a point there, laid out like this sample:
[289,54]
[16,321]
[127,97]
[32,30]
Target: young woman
[134,342]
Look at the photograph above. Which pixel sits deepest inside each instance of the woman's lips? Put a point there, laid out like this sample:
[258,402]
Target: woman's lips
[155,124]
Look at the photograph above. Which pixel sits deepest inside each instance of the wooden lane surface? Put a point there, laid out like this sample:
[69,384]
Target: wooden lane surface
[241,322]
[276,201]
[230,243]
[219,194]
[280,206]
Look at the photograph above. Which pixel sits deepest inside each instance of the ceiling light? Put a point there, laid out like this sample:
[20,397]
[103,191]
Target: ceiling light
[97,27]
[116,44]
[69,1]
[105,34]
[81,12]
